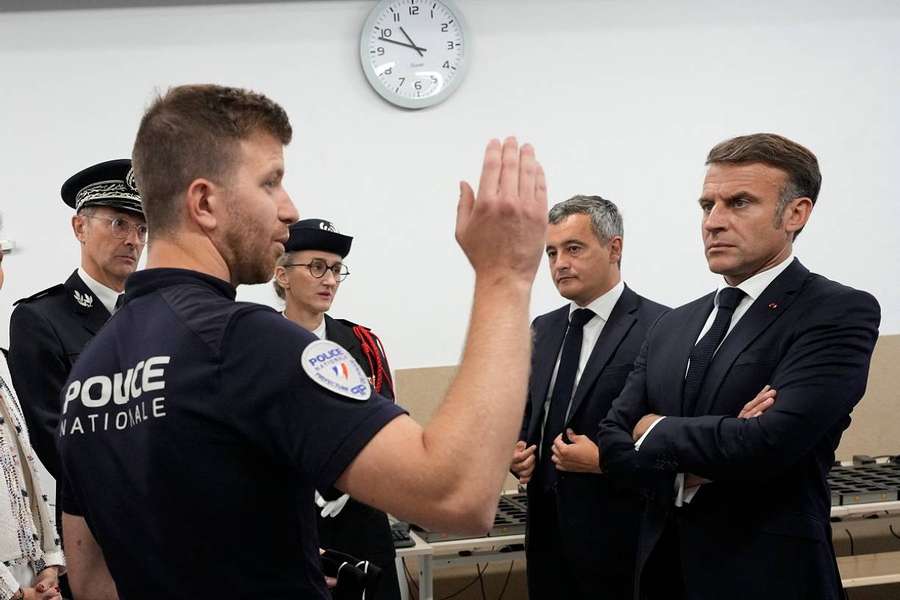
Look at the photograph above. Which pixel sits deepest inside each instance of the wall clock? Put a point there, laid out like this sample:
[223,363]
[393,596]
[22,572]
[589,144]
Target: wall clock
[414,52]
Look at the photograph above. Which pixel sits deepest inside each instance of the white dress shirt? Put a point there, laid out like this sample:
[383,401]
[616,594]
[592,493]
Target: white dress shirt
[319,331]
[107,295]
[753,288]
[602,307]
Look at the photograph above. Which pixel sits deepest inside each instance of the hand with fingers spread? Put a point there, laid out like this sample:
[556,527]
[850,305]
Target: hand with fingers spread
[501,229]
[756,407]
[523,460]
[580,455]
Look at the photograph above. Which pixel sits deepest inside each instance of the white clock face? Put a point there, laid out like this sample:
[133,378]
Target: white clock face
[414,51]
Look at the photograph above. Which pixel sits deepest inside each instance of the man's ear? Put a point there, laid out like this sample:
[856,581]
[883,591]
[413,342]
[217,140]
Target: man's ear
[204,203]
[615,249]
[79,227]
[796,214]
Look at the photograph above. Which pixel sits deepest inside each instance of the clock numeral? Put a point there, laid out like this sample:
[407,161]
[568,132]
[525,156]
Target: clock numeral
[418,85]
[452,45]
[386,32]
[446,64]
[402,80]
[388,71]
[379,51]
[445,27]
[396,17]
[413,10]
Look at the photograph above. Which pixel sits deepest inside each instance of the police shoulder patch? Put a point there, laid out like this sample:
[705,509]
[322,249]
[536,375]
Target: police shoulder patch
[332,367]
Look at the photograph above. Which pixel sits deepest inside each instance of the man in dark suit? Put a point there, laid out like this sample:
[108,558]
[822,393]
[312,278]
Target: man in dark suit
[582,528]
[307,278]
[48,330]
[739,508]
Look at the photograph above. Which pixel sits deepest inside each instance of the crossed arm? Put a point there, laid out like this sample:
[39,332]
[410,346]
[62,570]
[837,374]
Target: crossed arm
[819,380]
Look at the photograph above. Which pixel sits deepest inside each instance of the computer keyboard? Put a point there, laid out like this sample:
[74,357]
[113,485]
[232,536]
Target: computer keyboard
[400,535]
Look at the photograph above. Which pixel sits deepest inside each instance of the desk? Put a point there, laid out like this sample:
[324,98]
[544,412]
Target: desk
[856,571]
[436,555]
[423,552]
[860,510]
[869,569]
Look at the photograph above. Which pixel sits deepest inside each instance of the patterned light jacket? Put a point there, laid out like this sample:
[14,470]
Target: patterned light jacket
[27,531]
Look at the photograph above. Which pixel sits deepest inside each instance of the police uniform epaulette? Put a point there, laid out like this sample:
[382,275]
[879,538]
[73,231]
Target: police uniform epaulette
[48,292]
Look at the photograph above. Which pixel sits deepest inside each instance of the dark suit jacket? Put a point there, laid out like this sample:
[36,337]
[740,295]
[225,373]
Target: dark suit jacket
[761,528]
[597,521]
[359,529]
[47,332]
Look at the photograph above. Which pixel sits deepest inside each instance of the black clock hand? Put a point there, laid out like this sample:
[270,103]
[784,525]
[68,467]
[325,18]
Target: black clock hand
[409,39]
[414,47]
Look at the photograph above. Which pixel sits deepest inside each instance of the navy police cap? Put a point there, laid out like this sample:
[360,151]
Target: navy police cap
[317,234]
[110,183]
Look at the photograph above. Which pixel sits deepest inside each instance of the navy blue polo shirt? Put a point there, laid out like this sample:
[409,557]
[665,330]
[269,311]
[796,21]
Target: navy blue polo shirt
[192,439]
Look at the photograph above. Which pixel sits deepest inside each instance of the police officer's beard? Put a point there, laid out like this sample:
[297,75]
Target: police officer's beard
[250,257]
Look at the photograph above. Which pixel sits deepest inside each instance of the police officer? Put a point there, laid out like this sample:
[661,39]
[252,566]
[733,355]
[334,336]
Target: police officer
[195,429]
[48,329]
[307,278]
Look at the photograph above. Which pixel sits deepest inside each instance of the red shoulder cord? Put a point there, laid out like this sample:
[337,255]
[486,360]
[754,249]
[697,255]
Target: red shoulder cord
[373,351]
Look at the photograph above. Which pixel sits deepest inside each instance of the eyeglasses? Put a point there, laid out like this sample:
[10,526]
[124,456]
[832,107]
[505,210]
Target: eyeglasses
[318,267]
[122,228]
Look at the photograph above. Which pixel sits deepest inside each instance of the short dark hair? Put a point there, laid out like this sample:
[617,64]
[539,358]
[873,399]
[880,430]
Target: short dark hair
[801,166]
[193,131]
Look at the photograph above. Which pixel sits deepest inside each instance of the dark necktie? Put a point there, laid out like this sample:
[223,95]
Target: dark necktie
[562,390]
[120,300]
[705,349]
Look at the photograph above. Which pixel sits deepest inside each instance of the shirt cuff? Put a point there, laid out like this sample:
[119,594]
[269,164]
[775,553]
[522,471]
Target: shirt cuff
[55,558]
[679,489]
[684,495]
[637,444]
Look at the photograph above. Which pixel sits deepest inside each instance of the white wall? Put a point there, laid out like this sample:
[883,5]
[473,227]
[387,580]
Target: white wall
[621,98]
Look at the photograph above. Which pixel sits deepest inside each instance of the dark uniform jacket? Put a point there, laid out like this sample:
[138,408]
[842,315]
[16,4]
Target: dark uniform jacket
[194,432]
[359,529]
[47,332]
[761,528]
[595,519]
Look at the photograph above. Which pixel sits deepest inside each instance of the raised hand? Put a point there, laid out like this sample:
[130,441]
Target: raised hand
[502,229]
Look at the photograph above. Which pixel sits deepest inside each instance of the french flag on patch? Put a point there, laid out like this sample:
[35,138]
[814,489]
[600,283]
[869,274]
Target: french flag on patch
[344,370]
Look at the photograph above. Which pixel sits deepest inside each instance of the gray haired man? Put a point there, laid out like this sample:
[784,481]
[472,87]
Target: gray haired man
[582,529]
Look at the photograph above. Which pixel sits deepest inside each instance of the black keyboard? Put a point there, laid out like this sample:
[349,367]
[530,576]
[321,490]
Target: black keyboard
[862,484]
[400,535]
[509,520]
